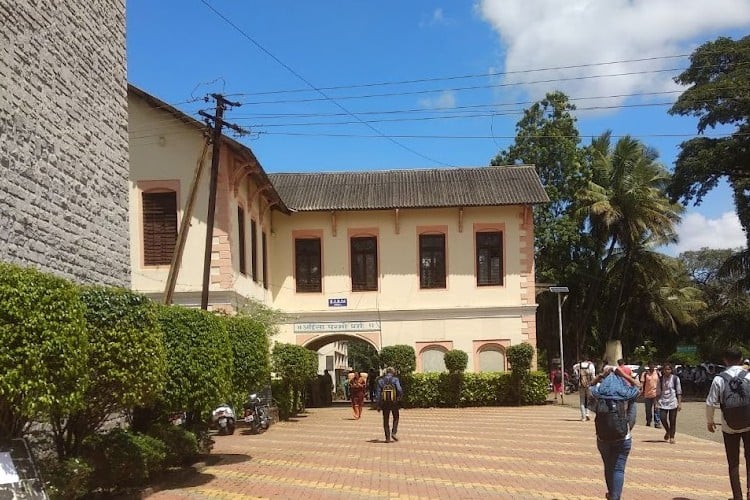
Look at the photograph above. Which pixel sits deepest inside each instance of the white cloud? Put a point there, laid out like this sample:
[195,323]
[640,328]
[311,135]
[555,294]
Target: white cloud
[553,33]
[697,231]
[437,17]
[445,100]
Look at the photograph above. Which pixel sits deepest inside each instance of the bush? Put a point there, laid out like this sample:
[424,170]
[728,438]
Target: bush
[199,362]
[295,366]
[123,459]
[456,361]
[401,357]
[43,347]
[251,360]
[181,444]
[520,357]
[126,362]
[66,479]
[477,389]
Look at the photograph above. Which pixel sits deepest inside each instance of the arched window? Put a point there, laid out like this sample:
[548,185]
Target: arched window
[492,359]
[433,359]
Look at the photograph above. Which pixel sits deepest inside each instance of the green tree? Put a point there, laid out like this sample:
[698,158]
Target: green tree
[296,366]
[401,357]
[627,212]
[43,348]
[362,355]
[547,137]
[456,361]
[718,94]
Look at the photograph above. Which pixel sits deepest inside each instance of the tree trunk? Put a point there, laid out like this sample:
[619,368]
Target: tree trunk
[613,351]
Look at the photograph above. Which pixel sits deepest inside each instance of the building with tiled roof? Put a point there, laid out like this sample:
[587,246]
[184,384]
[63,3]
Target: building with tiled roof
[437,259]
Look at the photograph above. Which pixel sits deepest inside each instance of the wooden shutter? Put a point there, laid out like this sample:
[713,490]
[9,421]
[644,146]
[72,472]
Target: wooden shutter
[159,227]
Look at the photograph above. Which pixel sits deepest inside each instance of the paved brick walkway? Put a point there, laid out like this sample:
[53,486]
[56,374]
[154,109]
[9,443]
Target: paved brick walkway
[529,452]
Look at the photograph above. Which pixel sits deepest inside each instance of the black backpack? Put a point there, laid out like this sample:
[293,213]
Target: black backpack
[611,420]
[735,400]
[557,377]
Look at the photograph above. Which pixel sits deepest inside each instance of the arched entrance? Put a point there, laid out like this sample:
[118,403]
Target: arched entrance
[335,361]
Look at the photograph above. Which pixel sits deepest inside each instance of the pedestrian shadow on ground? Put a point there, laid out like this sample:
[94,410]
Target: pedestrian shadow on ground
[381,441]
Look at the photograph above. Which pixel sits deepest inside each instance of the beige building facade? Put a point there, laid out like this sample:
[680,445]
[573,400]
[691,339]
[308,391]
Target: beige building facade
[436,259]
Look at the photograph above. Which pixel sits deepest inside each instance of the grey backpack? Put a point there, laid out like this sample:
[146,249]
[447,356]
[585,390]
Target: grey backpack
[735,400]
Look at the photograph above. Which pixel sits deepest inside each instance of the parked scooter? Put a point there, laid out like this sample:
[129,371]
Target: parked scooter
[224,419]
[256,413]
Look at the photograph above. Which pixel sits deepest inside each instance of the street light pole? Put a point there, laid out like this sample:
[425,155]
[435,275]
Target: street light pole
[559,290]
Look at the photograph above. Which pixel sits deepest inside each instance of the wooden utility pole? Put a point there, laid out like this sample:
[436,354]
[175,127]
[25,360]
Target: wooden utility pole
[221,105]
[174,267]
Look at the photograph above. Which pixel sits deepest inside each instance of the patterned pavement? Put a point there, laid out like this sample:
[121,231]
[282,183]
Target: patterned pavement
[527,452]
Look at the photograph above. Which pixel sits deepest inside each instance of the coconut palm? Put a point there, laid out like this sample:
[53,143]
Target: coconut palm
[626,208]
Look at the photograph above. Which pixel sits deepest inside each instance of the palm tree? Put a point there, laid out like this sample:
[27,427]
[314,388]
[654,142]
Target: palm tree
[626,208]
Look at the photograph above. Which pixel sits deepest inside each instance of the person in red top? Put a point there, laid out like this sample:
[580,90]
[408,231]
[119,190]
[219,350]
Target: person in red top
[357,387]
[556,377]
[625,369]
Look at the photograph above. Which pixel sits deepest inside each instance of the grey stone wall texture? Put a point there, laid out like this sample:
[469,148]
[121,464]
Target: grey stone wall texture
[63,138]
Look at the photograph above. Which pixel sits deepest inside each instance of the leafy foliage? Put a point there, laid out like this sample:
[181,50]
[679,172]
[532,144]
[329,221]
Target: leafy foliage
[295,366]
[126,363]
[520,357]
[251,366]
[122,459]
[199,361]
[43,347]
[401,357]
[456,361]
[477,389]
[362,355]
[547,137]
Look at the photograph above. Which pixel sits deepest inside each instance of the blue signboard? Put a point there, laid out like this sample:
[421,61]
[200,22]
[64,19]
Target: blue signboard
[336,302]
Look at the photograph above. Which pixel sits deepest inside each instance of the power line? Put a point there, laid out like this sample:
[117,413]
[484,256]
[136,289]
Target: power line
[325,96]
[461,77]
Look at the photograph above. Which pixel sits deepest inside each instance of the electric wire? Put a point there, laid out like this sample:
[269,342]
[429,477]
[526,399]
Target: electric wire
[325,96]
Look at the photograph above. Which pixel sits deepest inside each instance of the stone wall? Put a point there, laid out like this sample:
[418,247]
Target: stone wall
[63,138]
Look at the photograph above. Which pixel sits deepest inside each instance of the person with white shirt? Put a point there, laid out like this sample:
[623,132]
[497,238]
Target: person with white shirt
[584,373]
[732,435]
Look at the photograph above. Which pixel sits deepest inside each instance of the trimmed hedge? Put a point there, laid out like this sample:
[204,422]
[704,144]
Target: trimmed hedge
[43,347]
[251,366]
[427,390]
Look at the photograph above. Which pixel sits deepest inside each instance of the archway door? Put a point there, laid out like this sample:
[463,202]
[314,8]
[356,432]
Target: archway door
[314,342]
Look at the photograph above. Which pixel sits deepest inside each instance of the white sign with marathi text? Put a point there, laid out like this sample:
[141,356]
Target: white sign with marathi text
[337,326]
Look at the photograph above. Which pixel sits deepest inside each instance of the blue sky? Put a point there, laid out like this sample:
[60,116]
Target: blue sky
[342,85]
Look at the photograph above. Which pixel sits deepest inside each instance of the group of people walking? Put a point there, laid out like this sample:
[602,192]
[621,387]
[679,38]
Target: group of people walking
[612,396]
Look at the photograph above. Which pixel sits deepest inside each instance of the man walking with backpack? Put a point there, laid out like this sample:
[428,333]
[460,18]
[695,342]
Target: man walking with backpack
[388,394]
[585,373]
[730,391]
[615,417]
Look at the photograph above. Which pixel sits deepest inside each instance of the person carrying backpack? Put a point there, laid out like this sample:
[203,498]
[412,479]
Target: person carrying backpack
[730,391]
[615,407]
[388,394]
[585,373]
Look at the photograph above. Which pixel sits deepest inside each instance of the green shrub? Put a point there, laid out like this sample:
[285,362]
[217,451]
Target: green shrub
[199,362]
[282,398]
[456,361]
[684,358]
[476,389]
[181,444]
[122,459]
[520,357]
[401,357]
[65,479]
[126,362]
[295,366]
[251,363]
[43,347]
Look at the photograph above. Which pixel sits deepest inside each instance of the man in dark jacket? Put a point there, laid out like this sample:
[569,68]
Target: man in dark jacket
[388,394]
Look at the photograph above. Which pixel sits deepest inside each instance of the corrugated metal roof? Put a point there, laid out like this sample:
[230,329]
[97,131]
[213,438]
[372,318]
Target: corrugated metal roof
[442,187]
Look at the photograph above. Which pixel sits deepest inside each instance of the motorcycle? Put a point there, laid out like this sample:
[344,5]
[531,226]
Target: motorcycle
[224,419]
[256,413]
